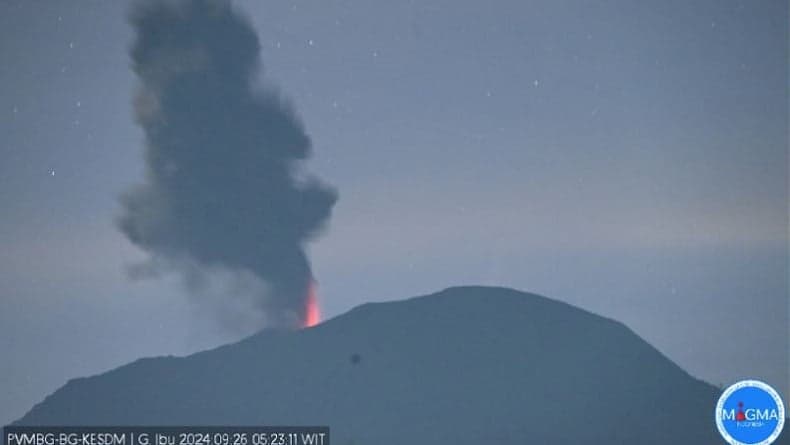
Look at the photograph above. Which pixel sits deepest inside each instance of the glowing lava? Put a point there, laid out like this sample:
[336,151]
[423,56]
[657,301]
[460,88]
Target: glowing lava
[312,313]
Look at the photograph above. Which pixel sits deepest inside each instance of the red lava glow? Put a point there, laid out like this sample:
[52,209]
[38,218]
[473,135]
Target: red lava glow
[312,313]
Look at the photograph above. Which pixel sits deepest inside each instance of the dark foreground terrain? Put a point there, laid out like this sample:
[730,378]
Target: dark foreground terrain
[467,365]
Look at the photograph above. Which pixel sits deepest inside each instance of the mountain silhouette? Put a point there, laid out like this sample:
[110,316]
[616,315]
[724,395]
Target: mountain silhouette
[466,365]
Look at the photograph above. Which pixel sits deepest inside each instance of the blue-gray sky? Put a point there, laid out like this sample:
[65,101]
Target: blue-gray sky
[629,158]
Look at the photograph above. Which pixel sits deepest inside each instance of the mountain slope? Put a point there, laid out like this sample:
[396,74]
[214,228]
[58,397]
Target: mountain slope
[464,365]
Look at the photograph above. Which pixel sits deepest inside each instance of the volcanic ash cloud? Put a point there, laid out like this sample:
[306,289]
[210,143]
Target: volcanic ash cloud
[223,189]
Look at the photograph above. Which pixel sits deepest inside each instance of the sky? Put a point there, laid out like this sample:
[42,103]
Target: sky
[629,158]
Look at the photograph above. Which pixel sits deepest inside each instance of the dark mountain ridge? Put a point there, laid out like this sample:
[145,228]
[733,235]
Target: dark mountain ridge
[464,365]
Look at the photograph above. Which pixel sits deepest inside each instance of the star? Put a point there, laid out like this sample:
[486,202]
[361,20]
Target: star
[536,82]
[52,172]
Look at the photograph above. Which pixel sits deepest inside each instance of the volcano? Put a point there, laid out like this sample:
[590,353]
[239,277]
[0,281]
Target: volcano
[466,365]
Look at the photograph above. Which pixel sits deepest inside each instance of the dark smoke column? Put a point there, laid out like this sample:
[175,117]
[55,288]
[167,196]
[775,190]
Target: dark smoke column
[223,186]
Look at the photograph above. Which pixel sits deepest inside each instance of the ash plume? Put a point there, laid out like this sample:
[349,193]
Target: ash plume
[223,188]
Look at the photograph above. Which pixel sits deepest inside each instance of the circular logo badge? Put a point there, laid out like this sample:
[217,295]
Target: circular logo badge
[750,413]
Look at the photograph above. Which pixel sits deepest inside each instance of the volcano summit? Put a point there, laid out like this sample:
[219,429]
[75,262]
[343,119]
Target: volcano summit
[465,365]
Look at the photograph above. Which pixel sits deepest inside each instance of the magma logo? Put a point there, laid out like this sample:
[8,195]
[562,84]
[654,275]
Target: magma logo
[750,413]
